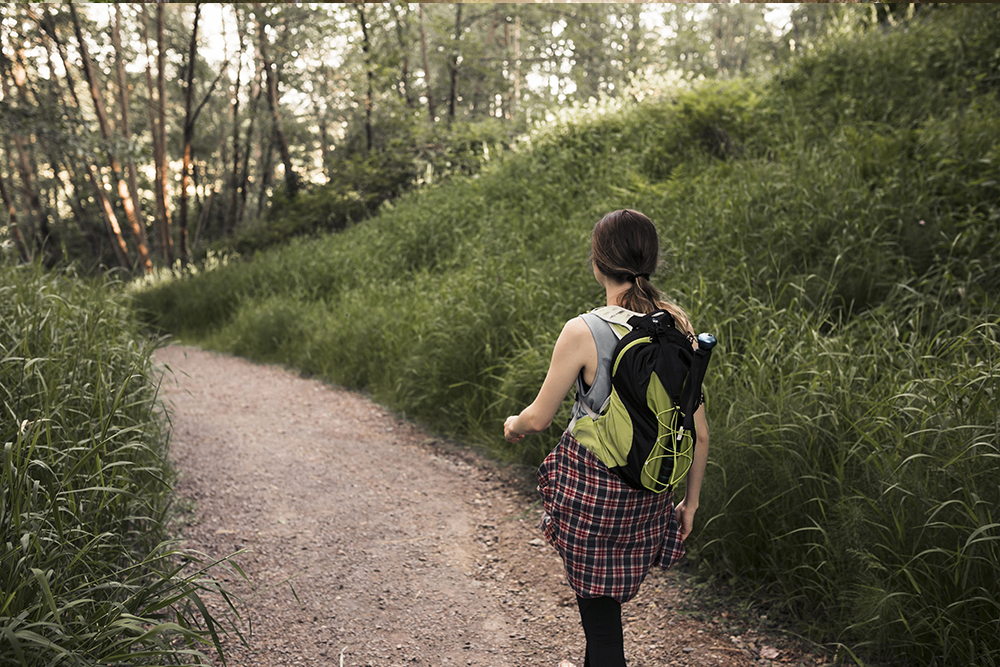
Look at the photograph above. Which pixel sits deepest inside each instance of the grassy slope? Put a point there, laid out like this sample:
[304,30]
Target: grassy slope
[835,227]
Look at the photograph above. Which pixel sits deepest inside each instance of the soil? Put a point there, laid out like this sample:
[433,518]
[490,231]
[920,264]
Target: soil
[366,541]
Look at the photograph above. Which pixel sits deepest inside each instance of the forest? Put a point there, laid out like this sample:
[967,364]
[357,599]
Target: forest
[825,181]
[136,136]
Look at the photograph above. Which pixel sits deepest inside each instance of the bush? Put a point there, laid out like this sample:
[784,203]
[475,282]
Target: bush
[87,572]
[362,182]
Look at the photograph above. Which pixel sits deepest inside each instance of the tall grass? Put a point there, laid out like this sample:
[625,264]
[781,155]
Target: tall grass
[86,572]
[835,225]
[857,483]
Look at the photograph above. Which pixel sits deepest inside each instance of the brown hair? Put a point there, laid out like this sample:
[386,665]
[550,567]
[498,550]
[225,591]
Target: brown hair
[626,248]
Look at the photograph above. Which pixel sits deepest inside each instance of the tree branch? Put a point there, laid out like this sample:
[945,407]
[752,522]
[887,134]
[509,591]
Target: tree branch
[208,94]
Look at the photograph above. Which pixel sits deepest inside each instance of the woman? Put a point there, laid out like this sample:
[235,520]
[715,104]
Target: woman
[607,533]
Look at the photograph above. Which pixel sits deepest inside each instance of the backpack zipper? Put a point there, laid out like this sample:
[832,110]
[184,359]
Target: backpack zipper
[637,341]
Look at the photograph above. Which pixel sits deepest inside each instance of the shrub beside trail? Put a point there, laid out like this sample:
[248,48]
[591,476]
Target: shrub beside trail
[836,225]
[87,574]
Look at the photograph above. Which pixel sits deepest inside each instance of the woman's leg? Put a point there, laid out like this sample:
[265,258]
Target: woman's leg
[602,624]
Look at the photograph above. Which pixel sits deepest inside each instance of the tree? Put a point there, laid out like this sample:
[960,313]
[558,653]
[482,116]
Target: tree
[21,151]
[15,231]
[48,26]
[400,13]
[258,90]
[156,112]
[116,170]
[123,99]
[369,75]
[189,118]
[271,81]
[234,182]
[429,89]
[342,84]
[455,55]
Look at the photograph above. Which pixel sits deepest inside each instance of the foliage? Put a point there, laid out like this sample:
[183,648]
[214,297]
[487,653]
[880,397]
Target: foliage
[353,103]
[359,184]
[835,225]
[87,573]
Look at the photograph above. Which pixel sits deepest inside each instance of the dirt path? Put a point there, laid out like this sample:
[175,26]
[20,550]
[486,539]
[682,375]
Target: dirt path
[367,544]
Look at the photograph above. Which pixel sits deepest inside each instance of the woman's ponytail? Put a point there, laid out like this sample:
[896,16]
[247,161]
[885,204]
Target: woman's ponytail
[641,296]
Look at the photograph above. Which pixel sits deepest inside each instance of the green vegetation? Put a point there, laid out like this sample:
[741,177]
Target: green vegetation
[836,225]
[361,183]
[86,574]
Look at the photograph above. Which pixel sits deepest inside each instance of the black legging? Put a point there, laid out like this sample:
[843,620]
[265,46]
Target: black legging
[602,624]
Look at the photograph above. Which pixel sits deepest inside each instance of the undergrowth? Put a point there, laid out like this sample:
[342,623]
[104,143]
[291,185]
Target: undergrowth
[87,571]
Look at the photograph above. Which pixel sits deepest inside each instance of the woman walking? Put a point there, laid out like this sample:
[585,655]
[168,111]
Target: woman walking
[608,533]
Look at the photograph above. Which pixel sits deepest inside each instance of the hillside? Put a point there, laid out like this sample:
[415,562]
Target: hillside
[835,225]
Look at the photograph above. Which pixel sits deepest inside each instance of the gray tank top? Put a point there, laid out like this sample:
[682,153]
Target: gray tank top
[591,400]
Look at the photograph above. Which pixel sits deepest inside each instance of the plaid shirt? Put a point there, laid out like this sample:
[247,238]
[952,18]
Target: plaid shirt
[607,533]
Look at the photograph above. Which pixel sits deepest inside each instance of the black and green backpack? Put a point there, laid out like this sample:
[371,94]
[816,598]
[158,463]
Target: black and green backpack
[645,430]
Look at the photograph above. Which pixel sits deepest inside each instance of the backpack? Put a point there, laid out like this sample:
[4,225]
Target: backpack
[645,431]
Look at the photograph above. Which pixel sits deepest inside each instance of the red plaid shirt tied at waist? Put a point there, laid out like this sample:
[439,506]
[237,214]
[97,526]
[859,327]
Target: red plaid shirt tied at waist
[608,534]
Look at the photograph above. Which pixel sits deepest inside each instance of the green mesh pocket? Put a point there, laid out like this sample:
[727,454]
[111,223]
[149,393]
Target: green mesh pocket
[674,446]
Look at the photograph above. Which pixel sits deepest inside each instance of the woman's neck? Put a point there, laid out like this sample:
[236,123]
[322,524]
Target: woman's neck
[614,292]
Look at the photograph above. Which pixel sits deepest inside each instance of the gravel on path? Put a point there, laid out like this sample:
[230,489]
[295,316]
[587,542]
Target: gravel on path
[367,542]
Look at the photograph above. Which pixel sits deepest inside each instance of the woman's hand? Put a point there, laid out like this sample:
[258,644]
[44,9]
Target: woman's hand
[508,430]
[685,518]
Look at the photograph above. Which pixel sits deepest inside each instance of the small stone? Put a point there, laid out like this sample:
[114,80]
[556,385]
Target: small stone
[769,652]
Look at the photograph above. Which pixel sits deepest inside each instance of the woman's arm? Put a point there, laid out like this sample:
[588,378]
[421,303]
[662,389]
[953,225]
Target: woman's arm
[574,348]
[686,508]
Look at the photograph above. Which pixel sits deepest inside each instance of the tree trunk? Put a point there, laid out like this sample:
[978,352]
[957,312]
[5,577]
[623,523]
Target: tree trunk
[507,95]
[15,231]
[126,131]
[62,166]
[67,176]
[24,166]
[163,175]
[399,10]
[321,119]
[102,118]
[190,117]
[271,78]
[427,68]
[453,92]
[159,224]
[366,48]
[187,134]
[245,172]
[195,185]
[204,218]
[267,170]
[517,66]
[491,35]
[54,152]
[206,211]
[100,196]
[234,182]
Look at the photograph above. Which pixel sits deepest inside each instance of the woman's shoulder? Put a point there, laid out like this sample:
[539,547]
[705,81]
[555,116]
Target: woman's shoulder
[576,326]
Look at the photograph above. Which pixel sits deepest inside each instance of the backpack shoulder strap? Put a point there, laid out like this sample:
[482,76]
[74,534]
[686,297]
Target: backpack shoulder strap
[616,316]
